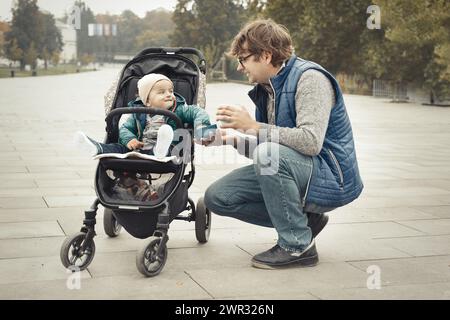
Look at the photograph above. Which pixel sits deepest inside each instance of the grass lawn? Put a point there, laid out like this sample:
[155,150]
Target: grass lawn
[61,69]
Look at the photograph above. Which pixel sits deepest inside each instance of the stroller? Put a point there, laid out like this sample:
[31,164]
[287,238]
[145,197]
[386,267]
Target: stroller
[145,217]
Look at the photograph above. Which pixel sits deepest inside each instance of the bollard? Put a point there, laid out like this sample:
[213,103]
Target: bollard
[13,73]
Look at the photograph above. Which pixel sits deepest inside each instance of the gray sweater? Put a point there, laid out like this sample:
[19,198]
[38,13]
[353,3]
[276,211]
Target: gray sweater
[313,102]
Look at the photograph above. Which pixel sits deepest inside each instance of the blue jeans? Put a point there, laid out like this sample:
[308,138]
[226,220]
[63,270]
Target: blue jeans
[272,199]
[117,148]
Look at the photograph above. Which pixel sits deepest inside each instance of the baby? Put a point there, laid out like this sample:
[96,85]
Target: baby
[149,134]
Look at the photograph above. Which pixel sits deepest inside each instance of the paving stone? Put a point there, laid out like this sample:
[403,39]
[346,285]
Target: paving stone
[15,169]
[437,211]
[226,282]
[86,174]
[30,270]
[174,286]
[431,291]
[348,215]
[200,257]
[10,155]
[18,202]
[16,230]
[40,176]
[43,192]
[223,236]
[405,201]
[37,214]
[411,191]
[30,247]
[9,163]
[421,246]
[370,230]
[443,184]
[430,227]
[17,184]
[65,183]
[410,270]
[54,168]
[275,296]
[72,201]
[55,161]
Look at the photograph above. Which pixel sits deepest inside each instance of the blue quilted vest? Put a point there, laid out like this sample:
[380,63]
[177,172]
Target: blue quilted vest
[335,179]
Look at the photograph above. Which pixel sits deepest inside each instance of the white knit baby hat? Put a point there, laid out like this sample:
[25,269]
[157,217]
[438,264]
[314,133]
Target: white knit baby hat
[146,83]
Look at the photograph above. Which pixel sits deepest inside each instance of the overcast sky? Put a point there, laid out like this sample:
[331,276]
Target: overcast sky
[58,7]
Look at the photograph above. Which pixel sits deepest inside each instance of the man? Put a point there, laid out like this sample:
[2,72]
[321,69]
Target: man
[300,108]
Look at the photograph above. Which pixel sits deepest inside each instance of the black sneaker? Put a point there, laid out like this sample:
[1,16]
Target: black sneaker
[277,257]
[317,222]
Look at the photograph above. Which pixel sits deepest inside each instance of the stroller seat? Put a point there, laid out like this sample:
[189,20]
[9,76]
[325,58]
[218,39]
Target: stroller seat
[139,165]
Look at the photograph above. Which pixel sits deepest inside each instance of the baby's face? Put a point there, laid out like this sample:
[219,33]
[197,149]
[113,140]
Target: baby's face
[161,95]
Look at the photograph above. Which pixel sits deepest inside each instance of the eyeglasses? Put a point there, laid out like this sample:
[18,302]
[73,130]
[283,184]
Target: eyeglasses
[242,59]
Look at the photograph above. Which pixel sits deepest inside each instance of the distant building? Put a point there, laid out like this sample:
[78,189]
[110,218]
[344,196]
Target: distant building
[69,38]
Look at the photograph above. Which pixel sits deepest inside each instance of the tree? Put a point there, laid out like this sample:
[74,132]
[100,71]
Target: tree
[133,33]
[416,44]
[208,25]
[14,53]
[254,9]
[158,20]
[151,38]
[4,27]
[56,55]
[85,44]
[86,59]
[51,38]
[106,45]
[325,31]
[34,33]
[26,27]
[157,26]
[129,26]
[30,56]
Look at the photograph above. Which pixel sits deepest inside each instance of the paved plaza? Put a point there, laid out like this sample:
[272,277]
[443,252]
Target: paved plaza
[397,232]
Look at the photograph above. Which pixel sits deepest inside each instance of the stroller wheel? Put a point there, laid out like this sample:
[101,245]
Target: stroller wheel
[202,221]
[73,256]
[147,261]
[110,224]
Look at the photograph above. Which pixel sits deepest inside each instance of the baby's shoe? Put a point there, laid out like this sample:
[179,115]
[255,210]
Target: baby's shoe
[165,138]
[86,144]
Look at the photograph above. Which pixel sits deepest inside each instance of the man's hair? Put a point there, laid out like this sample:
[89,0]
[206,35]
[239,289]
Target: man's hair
[260,36]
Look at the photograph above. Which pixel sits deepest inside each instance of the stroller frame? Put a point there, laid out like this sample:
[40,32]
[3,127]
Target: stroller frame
[151,258]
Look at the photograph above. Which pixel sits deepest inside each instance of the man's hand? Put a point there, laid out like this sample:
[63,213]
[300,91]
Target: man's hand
[135,144]
[236,118]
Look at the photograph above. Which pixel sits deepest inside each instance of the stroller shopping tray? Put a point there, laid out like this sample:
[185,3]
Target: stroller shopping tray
[139,165]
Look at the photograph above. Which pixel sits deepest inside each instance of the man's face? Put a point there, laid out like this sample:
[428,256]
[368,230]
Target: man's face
[256,71]
[161,95]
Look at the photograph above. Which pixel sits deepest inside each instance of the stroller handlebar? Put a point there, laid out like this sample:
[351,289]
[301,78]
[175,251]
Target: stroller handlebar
[178,50]
[152,111]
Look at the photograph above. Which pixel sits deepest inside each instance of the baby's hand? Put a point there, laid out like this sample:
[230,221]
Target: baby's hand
[207,137]
[205,141]
[135,144]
